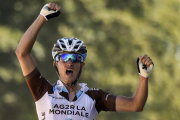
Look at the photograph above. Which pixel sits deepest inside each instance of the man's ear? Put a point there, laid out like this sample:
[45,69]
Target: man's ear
[54,63]
[82,64]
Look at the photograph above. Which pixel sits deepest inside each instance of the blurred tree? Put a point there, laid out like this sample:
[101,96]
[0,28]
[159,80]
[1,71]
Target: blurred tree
[116,32]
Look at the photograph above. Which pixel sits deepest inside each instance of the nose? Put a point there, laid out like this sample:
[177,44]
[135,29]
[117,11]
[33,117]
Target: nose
[69,63]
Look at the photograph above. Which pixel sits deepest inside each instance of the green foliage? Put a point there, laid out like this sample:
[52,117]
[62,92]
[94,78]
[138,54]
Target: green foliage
[116,32]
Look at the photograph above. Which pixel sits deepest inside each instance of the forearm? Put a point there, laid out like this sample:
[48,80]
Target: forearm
[135,103]
[29,37]
[140,97]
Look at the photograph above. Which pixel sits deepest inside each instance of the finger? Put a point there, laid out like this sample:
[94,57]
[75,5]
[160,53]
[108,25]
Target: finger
[57,7]
[144,56]
[53,6]
[149,63]
[147,60]
[140,57]
[49,5]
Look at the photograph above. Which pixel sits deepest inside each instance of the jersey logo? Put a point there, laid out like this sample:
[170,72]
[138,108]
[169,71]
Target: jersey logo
[60,109]
[40,76]
[93,89]
[43,114]
[107,96]
[55,97]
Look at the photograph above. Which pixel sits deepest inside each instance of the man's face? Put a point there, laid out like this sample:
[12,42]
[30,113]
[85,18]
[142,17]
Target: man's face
[69,71]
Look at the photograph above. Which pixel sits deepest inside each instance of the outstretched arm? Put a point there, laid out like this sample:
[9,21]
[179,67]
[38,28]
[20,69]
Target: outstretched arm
[24,48]
[137,101]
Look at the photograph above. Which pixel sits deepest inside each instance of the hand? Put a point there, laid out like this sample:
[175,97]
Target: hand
[50,10]
[145,65]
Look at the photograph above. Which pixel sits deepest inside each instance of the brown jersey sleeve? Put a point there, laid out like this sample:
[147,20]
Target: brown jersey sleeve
[37,84]
[104,100]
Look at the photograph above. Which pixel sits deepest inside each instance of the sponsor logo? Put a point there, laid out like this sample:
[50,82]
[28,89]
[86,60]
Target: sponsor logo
[69,110]
[52,95]
[43,115]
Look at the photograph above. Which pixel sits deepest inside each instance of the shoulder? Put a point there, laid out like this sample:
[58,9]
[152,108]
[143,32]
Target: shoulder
[95,93]
[37,84]
[104,100]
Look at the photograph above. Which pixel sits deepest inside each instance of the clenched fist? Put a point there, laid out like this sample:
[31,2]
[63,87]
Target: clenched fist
[145,65]
[50,10]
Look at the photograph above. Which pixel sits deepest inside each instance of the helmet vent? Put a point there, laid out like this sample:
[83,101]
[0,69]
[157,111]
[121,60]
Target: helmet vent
[70,42]
[79,42]
[61,41]
[75,47]
[63,46]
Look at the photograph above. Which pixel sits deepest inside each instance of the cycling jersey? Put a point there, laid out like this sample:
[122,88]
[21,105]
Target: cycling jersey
[52,101]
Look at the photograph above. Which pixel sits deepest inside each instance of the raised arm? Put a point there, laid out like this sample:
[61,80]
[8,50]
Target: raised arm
[24,48]
[137,102]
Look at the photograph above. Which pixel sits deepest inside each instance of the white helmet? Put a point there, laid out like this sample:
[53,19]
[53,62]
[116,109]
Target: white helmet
[72,45]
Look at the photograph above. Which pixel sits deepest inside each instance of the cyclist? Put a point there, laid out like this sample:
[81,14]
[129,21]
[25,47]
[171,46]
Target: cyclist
[68,99]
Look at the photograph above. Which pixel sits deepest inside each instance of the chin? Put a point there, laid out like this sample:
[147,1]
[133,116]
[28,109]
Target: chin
[69,81]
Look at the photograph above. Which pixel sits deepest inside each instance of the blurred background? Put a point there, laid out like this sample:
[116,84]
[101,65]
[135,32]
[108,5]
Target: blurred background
[116,32]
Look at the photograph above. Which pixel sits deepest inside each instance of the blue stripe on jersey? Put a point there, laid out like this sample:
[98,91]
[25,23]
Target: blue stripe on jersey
[65,90]
[79,94]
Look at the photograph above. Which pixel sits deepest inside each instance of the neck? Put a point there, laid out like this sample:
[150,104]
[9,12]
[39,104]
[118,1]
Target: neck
[75,88]
[71,88]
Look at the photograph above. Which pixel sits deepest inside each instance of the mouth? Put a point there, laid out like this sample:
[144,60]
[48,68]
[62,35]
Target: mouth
[69,73]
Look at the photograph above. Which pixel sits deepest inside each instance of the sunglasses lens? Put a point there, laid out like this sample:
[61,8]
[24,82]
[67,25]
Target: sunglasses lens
[65,57]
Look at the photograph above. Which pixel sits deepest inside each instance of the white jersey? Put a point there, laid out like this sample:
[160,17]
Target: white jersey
[52,101]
